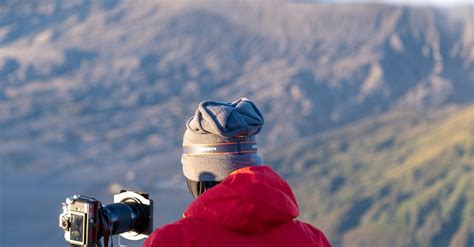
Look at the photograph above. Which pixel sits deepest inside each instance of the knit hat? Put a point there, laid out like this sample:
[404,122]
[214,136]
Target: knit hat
[220,138]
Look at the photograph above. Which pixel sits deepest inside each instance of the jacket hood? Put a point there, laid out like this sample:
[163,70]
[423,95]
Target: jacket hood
[253,199]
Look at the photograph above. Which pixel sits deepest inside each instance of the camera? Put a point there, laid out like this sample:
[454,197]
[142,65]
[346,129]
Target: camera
[85,220]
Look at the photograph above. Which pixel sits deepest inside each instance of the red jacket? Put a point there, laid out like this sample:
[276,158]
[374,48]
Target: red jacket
[253,206]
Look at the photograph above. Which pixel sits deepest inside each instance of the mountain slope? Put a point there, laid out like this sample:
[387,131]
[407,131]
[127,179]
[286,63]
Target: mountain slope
[325,65]
[402,179]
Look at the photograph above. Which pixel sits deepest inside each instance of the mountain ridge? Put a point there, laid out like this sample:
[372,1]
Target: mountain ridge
[357,60]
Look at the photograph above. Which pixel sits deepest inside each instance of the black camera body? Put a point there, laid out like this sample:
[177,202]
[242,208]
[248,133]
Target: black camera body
[85,220]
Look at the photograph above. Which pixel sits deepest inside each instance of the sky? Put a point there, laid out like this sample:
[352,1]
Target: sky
[440,3]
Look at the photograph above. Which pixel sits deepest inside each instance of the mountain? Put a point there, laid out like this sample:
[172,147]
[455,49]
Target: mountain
[401,179]
[324,65]
[94,94]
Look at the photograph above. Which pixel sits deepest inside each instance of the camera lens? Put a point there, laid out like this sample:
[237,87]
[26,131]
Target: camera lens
[127,216]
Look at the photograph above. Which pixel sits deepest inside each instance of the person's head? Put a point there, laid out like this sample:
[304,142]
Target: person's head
[219,139]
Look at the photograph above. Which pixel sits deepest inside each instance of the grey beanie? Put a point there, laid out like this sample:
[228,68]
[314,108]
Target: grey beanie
[220,138]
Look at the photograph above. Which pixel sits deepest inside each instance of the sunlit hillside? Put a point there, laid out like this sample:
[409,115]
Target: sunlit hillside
[402,179]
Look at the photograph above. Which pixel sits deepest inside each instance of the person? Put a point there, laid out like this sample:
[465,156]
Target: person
[238,200]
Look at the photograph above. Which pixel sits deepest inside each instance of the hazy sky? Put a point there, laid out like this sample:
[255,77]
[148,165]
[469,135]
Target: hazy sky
[414,2]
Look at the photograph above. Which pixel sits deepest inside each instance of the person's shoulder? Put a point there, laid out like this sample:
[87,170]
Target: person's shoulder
[315,234]
[167,235]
